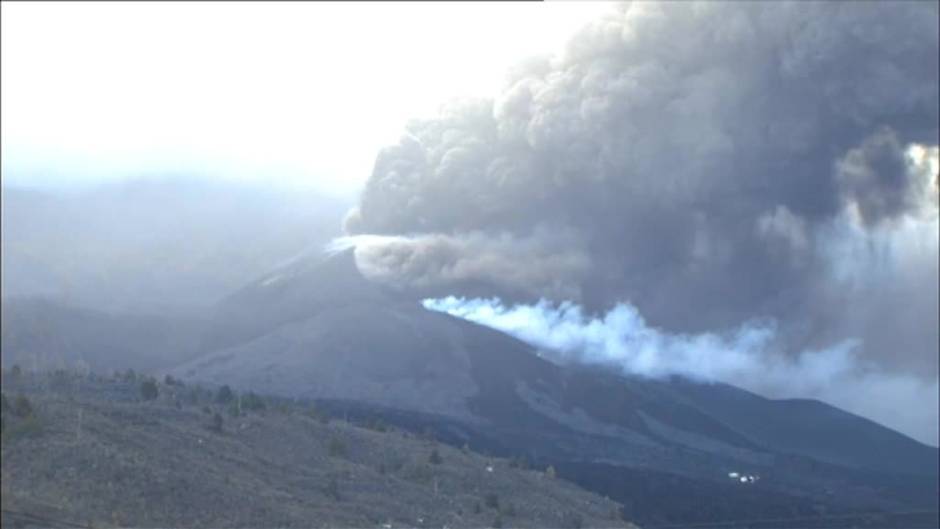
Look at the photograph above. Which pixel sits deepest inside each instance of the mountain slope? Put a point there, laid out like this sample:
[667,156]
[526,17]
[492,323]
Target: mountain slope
[813,429]
[101,456]
[44,334]
[157,245]
[318,329]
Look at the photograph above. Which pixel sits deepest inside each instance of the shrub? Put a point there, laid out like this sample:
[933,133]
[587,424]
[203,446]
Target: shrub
[394,464]
[170,381]
[435,457]
[572,520]
[130,376]
[491,500]
[30,426]
[253,402]
[224,395]
[317,414]
[420,473]
[148,389]
[59,380]
[22,407]
[16,371]
[519,462]
[191,396]
[216,424]
[376,425]
[337,448]
[4,410]
[332,488]
[617,513]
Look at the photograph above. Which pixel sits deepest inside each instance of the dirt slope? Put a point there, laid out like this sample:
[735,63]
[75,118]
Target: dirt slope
[150,464]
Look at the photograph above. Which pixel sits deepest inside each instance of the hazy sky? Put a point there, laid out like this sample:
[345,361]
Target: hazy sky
[296,92]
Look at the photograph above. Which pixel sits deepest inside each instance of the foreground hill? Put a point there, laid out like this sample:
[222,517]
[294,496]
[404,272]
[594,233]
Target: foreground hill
[93,454]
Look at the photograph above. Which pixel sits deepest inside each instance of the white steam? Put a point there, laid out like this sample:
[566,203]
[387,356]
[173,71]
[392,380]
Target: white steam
[623,338]
[750,356]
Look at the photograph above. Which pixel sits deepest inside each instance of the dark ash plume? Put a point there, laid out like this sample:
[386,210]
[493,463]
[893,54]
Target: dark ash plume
[710,162]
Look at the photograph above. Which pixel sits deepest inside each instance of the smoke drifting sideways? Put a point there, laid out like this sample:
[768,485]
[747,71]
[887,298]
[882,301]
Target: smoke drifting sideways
[709,163]
[744,357]
[525,267]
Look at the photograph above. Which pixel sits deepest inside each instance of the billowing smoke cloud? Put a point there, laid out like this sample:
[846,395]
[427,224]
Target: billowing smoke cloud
[878,181]
[713,163]
[544,262]
[746,357]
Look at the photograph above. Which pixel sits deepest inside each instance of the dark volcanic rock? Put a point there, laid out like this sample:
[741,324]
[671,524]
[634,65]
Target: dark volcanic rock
[318,329]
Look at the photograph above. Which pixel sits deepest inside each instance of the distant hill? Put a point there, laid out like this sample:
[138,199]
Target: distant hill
[158,245]
[44,334]
[94,455]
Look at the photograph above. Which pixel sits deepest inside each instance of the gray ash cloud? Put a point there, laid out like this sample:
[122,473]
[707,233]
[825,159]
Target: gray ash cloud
[709,163]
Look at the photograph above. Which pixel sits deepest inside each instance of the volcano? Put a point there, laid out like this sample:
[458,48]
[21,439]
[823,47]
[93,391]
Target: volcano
[317,329]
[670,450]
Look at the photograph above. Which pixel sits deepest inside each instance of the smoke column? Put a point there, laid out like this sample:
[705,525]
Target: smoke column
[708,164]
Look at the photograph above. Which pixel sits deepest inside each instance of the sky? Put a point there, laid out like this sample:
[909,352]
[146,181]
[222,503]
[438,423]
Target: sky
[296,92]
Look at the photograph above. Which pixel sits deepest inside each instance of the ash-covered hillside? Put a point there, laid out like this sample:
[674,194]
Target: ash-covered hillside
[92,452]
[318,329]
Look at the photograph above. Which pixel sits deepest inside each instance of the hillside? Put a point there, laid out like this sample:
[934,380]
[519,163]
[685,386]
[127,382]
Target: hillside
[43,334]
[94,454]
[317,330]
